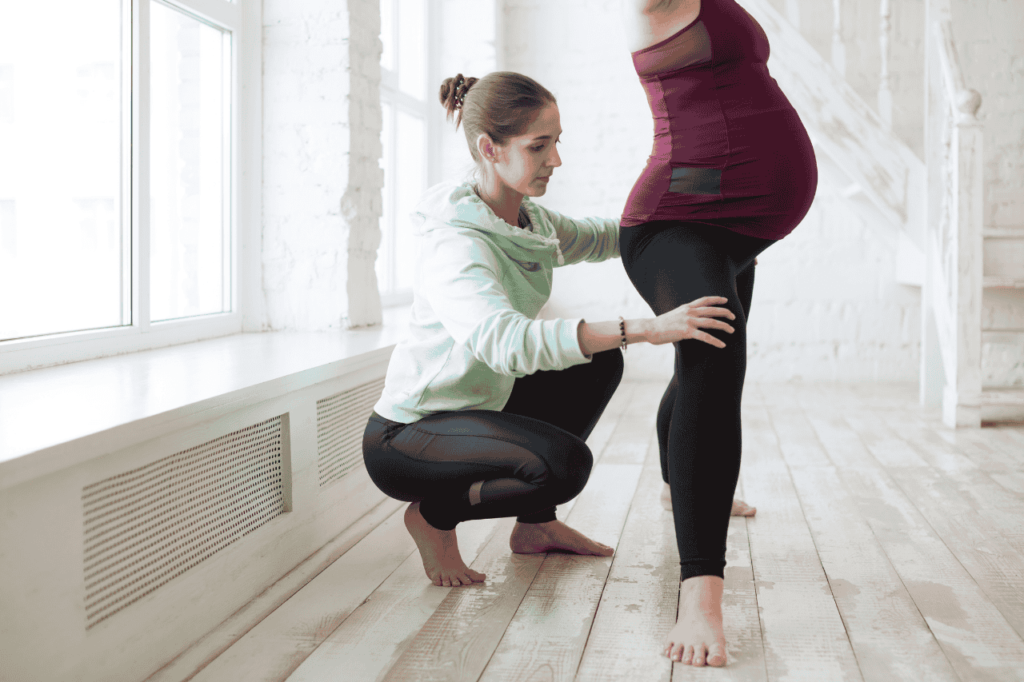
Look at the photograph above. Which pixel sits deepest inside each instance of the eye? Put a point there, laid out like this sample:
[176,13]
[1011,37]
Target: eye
[537,148]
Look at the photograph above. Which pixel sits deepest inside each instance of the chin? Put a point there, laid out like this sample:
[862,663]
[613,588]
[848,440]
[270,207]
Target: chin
[535,191]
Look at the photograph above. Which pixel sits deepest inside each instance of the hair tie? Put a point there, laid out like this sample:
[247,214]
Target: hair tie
[460,92]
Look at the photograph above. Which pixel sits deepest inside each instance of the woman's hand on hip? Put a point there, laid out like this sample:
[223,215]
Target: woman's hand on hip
[689,321]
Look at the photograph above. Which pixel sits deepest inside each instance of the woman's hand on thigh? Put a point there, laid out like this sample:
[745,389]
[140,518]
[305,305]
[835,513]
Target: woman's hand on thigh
[689,321]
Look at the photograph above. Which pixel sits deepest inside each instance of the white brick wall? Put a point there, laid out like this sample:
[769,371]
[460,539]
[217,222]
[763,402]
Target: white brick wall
[991,47]
[467,46]
[321,129]
[362,202]
[826,304]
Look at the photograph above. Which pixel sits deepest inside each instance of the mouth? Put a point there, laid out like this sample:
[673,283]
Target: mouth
[544,178]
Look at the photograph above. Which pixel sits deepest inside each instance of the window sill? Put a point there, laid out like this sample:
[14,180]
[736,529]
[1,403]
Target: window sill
[47,415]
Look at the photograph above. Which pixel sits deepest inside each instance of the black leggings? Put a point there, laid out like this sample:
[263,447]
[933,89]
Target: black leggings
[672,263]
[482,464]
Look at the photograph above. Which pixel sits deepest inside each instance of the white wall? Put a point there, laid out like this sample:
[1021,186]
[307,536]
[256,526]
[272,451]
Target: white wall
[826,304]
[991,47]
[321,178]
[468,34]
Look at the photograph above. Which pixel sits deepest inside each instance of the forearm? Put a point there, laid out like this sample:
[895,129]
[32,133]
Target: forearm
[595,337]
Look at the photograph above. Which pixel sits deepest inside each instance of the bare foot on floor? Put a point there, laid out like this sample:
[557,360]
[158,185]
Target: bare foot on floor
[697,638]
[739,507]
[439,550]
[530,538]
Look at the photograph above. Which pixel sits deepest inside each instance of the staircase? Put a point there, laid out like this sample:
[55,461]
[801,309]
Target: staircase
[971,277]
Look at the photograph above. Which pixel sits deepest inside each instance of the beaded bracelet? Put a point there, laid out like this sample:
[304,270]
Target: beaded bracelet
[622,330]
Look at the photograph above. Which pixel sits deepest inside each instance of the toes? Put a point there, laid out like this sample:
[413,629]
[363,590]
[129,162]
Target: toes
[699,656]
[676,653]
[687,655]
[477,576]
[716,657]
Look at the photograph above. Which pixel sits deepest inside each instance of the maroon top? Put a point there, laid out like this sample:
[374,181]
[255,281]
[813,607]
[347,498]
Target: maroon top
[729,148]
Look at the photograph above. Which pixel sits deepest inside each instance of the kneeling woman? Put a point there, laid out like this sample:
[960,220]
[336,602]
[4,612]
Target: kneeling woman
[486,410]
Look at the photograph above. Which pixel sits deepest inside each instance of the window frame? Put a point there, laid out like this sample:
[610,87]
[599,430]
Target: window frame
[429,111]
[242,19]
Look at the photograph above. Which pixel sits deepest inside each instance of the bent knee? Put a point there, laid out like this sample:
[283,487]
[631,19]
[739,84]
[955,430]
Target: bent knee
[569,467]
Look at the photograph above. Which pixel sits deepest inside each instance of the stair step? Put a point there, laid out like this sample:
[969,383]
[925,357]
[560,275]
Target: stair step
[1003,233]
[1002,282]
[1002,396]
[1002,405]
[1004,254]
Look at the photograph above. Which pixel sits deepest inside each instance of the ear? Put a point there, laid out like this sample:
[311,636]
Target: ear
[486,148]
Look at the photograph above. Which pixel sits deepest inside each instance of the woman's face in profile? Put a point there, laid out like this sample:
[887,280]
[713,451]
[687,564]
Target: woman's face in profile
[525,162]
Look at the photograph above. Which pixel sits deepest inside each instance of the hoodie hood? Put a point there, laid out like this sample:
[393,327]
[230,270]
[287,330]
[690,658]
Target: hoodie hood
[451,205]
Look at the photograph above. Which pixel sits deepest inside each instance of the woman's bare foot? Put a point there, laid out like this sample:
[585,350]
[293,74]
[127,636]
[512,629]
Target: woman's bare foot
[739,507]
[530,538]
[697,638]
[439,550]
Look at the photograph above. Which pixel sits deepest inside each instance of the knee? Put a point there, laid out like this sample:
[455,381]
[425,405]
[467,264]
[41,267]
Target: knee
[570,463]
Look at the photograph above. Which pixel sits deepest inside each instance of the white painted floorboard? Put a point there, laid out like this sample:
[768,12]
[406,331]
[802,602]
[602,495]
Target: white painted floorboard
[886,547]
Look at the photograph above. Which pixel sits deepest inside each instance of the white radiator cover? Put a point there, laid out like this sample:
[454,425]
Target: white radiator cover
[146,526]
[340,422]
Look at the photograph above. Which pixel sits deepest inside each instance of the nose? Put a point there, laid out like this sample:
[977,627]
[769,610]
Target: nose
[554,160]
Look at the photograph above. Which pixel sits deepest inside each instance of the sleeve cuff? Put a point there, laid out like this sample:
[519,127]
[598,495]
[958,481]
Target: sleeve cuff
[571,343]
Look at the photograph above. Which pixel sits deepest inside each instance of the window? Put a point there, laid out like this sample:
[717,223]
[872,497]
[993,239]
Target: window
[407,137]
[117,187]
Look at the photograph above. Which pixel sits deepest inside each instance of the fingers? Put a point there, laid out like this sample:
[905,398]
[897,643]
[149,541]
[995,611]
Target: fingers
[708,300]
[707,338]
[714,324]
[713,312]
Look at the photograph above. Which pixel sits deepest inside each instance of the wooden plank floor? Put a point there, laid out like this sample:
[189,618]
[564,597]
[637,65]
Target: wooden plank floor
[886,547]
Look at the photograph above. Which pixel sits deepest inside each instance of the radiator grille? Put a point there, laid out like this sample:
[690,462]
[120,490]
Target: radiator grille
[147,526]
[340,422]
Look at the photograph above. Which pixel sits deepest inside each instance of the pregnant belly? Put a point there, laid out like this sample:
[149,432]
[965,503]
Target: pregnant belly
[761,182]
[768,182]
[769,154]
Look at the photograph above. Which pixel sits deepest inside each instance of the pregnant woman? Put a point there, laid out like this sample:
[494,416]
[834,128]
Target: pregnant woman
[732,171]
[485,408]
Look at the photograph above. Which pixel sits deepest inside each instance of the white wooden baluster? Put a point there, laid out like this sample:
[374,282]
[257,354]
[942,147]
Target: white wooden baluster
[838,47]
[884,90]
[954,279]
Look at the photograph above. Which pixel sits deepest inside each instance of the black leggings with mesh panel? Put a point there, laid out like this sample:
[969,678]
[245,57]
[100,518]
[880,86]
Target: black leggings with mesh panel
[483,464]
[672,263]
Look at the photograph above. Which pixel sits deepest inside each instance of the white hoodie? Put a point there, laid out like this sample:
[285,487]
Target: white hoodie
[478,287]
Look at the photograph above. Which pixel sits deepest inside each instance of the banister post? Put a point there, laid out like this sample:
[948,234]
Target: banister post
[884,88]
[962,400]
[838,47]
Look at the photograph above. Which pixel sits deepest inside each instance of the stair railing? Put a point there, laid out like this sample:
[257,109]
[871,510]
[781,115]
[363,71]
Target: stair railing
[952,291]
